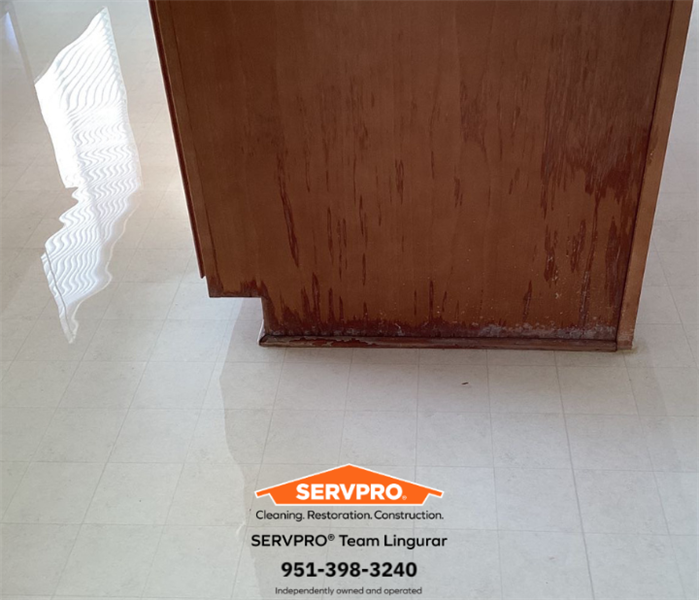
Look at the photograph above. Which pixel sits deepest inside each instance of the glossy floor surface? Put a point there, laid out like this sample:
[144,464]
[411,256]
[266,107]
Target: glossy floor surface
[138,415]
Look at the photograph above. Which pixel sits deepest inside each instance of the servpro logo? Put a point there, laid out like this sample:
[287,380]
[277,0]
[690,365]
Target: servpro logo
[349,485]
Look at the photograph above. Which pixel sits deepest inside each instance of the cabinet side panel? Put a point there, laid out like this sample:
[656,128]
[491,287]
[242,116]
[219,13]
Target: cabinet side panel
[657,147]
[436,169]
[168,52]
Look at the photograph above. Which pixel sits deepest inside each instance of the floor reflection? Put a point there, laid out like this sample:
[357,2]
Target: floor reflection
[83,101]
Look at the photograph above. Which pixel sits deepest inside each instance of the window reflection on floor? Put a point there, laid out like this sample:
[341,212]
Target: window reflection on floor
[83,101]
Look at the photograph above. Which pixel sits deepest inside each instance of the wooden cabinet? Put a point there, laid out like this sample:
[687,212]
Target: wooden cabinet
[425,173]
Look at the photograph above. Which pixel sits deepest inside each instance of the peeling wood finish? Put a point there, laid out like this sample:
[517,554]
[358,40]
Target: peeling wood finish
[437,343]
[283,341]
[405,171]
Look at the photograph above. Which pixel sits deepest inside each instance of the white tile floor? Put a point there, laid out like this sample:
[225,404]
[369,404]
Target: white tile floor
[130,456]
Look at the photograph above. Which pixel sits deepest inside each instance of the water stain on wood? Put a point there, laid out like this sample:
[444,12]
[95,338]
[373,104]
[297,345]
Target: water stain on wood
[412,170]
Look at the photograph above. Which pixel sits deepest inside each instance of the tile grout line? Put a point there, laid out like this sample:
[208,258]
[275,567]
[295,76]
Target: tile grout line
[344,408]
[53,413]
[425,528]
[104,467]
[417,429]
[495,488]
[681,322]
[245,524]
[107,461]
[575,487]
[416,459]
[660,499]
[185,454]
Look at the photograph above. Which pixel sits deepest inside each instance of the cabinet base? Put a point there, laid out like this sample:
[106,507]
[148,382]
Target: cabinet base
[290,341]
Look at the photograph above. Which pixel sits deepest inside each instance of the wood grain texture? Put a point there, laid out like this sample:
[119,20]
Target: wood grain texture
[416,169]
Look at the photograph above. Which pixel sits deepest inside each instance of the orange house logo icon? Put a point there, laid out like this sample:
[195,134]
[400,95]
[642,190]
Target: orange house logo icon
[349,485]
